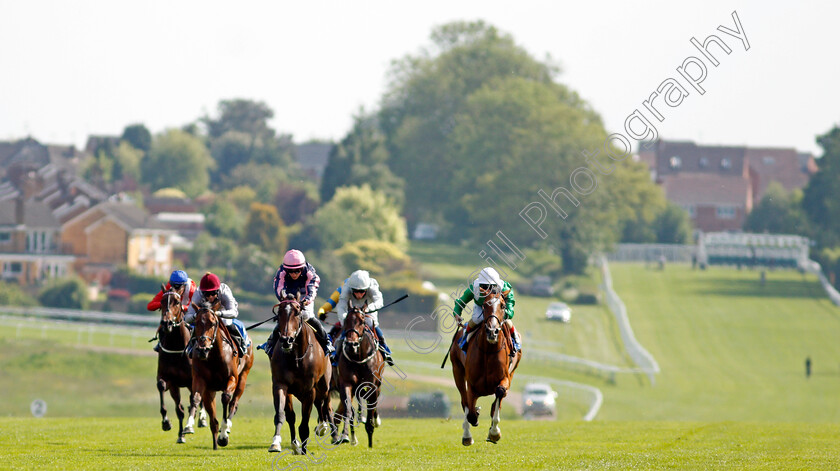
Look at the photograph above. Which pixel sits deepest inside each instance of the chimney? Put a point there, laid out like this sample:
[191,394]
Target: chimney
[19,210]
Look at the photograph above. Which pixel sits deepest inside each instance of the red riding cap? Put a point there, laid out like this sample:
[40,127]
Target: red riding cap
[209,282]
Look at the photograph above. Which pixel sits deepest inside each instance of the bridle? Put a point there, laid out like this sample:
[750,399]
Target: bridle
[288,342]
[166,309]
[204,338]
[356,344]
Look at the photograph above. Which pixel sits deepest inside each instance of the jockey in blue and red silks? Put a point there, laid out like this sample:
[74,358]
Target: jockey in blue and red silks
[297,276]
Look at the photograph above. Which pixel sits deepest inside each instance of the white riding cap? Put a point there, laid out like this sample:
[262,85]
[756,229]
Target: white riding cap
[359,279]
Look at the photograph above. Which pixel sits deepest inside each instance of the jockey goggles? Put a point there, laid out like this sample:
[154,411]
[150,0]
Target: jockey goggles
[292,271]
[177,286]
[362,291]
[207,294]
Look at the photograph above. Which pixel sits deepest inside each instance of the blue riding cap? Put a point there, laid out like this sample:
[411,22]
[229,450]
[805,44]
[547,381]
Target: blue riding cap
[178,277]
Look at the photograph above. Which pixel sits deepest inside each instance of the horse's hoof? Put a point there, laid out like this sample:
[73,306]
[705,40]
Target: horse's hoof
[166,425]
[322,429]
[274,448]
[467,441]
[181,439]
[188,430]
[202,423]
[354,441]
[223,441]
[341,440]
[377,422]
[494,438]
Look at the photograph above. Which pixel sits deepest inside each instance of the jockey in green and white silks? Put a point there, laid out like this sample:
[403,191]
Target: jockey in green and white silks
[487,279]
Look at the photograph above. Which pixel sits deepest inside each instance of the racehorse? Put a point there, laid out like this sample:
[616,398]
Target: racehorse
[174,371]
[487,367]
[360,369]
[299,368]
[216,367]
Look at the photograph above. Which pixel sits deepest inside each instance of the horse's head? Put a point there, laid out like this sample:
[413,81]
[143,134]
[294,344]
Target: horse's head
[206,328]
[289,323]
[494,310]
[354,326]
[171,312]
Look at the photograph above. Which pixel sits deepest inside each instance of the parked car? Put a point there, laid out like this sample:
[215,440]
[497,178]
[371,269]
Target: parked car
[538,399]
[434,404]
[542,286]
[558,312]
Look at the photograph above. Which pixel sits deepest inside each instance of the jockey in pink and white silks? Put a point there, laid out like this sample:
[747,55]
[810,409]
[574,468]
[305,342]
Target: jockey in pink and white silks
[298,277]
[488,279]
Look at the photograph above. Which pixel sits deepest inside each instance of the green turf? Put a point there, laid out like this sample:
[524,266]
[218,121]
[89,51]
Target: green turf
[404,444]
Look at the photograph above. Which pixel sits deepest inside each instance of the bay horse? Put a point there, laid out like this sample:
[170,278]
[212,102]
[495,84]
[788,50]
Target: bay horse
[360,368]
[299,368]
[216,367]
[173,369]
[487,367]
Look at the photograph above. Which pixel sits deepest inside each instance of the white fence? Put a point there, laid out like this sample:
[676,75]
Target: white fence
[641,357]
[652,253]
[815,268]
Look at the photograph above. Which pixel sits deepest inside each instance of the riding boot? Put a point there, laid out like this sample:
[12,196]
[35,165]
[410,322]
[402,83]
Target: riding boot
[464,337]
[268,346]
[514,338]
[384,346]
[322,336]
[157,347]
[334,355]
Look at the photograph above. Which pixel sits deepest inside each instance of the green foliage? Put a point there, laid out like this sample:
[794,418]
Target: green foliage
[169,193]
[13,295]
[177,159]
[224,219]
[361,158]
[138,136]
[541,262]
[99,170]
[133,282]
[254,269]
[138,302]
[357,213]
[67,293]
[127,161]
[265,229]
[821,199]
[264,179]
[244,116]
[672,226]
[778,212]
[213,252]
[376,256]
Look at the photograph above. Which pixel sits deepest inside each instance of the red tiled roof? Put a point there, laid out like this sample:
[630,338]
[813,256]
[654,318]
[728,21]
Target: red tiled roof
[780,165]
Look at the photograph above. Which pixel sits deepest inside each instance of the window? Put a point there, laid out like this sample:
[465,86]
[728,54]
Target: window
[676,162]
[725,212]
[5,237]
[704,162]
[690,209]
[725,163]
[768,160]
[12,268]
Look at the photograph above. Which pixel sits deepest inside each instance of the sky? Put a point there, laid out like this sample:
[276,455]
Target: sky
[72,69]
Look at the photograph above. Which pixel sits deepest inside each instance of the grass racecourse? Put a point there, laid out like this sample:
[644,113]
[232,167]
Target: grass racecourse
[732,392]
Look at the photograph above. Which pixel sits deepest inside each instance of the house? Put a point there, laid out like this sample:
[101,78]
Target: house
[112,234]
[719,185]
[30,241]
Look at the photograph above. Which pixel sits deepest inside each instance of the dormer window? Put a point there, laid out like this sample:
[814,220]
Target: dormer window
[725,163]
[676,163]
[704,162]
[768,160]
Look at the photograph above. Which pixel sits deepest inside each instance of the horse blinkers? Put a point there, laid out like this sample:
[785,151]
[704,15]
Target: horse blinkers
[287,342]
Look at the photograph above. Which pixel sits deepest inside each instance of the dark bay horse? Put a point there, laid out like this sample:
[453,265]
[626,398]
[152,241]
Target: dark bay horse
[487,367]
[301,369]
[360,369]
[173,370]
[216,367]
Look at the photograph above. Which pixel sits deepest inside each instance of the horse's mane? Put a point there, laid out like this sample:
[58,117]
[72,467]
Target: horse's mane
[206,305]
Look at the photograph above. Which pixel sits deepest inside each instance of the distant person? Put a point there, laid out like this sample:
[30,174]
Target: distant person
[807,367]
[662,262]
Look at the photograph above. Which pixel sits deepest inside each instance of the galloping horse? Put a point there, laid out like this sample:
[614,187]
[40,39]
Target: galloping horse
[299,368]
[216,367]
[487,368]
[359,369]
[174,371]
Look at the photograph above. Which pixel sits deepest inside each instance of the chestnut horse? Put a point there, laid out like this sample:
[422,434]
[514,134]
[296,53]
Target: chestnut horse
[173,371]
[360,369]
[487,367]
[216,367]
[299,368]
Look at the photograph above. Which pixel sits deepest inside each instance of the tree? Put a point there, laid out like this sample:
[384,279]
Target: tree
[672,226]
[245,116]
[127,160]
[265,229]
[177,159]
[428,91]
[138,136]
[361,158]
[295,202]
[821,198]
[778,212]
[68,293]
[223,219]
[356,213]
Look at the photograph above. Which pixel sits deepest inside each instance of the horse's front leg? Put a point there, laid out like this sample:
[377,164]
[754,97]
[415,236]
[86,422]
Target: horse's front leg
[290,419]
[305,412]
[227,402]
[496,411]
[161,387]
[370,402]
[175,392]
[209,400]
[470,418]
[349,393]
[279,391]
[195,404]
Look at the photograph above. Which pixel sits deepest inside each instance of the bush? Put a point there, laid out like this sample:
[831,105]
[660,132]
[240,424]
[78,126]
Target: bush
[376,256]
[138,302]
[587,298]
[13,295]
[125,279]
[65,293]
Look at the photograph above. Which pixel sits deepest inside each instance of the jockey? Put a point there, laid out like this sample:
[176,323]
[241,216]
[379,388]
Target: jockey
[328,307]
[297,276]
[487,279]
[364,290]
[211,289]
[183,285]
